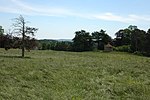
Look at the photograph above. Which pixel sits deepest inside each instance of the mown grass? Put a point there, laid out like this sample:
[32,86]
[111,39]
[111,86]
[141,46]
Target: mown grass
[53,75]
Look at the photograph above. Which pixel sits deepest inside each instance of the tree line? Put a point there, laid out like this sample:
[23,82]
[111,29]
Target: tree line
[8,41]
[83,41]
[131,39]
[134,41]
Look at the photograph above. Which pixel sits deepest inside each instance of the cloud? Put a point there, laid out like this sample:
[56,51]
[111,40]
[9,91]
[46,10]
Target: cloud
[113,17]
[140,18]
[124,19]
[21,7]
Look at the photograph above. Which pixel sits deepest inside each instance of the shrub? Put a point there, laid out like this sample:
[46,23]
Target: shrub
[124,48]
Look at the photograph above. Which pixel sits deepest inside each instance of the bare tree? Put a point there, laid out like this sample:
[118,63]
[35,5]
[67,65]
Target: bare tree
[20,28]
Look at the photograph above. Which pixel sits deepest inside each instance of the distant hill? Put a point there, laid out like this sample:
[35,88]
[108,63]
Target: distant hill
[55,40]
[69,40]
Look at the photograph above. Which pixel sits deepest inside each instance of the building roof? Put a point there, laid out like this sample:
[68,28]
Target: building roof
[108,45]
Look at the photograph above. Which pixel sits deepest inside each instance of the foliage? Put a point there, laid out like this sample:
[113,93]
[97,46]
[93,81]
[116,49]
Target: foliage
[123,37]
[53,75]
[127,40]
[139,41]
[31,43]
[124,48]
[147,43]
[2,40]
[56,45]
[44,47]
[63,46]
[7,42]
[101,38]
[82,41]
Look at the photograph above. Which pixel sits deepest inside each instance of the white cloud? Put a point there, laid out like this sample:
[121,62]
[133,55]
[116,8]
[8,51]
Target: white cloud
[21,7]
[140,18]
[113,17]
[125,19]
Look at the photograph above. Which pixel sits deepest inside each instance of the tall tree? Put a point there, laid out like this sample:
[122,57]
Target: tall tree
[147,43]
[101,38]
[123,37]
[21,29]
[1,37]
[82,41]
[138,38]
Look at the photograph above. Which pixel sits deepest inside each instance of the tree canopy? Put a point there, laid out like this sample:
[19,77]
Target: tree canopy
[101,38]
[82,41]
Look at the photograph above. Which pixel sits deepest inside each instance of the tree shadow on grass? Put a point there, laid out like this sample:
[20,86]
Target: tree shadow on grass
[7,56]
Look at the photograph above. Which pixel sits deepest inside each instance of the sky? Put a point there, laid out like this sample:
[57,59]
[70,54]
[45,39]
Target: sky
[60,19]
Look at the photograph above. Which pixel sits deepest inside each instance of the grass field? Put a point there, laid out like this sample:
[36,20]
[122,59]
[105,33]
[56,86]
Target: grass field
[53,75]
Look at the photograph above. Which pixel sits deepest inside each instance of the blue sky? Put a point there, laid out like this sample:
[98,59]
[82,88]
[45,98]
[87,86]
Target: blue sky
[59,19]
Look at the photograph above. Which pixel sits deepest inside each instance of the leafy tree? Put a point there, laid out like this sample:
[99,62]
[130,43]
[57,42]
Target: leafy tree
[123,37]
[147,43]
[63,46]
[48,47]
[30,43]
[82,41]
[138,38]
[44,46]
[21,29]
[101,38]
[7,42]
[16,42]
[1,37]
[52,45]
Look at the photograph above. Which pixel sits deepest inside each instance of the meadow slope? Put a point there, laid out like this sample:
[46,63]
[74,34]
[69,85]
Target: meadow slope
[58,75]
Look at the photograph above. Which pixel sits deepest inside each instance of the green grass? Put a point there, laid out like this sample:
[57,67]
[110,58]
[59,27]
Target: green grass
[53,75]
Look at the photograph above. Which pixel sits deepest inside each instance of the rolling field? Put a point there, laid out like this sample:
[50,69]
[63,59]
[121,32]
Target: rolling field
[58,75]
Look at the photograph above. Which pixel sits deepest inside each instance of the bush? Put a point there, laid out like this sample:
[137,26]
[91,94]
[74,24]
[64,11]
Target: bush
[146,54]
[124,48]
